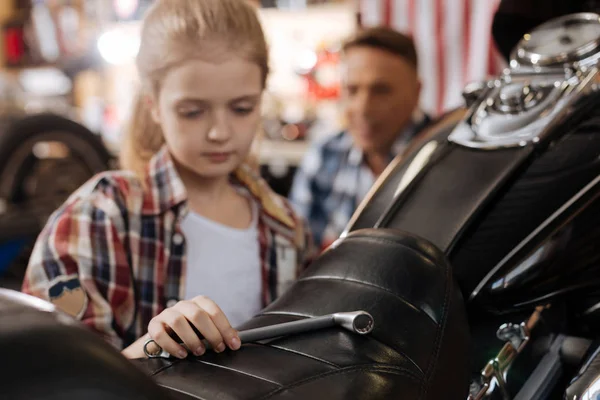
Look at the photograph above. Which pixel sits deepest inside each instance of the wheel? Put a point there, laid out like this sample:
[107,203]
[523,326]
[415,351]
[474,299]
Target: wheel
[47,146]
[43,159]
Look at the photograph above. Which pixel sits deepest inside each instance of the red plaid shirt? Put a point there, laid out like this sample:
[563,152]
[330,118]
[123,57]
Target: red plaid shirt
[114,254]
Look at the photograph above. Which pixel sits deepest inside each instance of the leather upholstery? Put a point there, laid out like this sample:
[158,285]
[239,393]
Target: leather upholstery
[46,355]
[417,350]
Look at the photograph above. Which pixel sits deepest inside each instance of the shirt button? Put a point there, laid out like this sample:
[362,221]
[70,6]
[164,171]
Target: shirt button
[171,303]
[178,239]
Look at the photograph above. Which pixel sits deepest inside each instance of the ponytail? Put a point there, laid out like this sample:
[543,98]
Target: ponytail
[142,140]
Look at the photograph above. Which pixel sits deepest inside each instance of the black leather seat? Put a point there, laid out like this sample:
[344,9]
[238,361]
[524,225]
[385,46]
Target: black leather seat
[418,349]
[46,355]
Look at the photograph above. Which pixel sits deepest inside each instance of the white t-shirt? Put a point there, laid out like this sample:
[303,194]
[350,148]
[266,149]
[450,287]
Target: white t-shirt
[223,263]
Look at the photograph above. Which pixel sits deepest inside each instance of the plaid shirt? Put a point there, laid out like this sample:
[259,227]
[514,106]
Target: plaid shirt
[114,254]
[333,179]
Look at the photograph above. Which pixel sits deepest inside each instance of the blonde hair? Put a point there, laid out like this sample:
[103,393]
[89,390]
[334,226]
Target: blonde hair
[174,31]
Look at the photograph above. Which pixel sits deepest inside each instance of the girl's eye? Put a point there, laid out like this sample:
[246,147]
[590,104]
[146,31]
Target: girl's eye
[243,110]
[190,113]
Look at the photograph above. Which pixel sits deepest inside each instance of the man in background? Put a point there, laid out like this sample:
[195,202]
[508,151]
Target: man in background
[381,100]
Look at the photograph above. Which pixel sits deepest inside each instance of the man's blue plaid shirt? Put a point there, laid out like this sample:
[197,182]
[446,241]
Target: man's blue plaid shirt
[332,181]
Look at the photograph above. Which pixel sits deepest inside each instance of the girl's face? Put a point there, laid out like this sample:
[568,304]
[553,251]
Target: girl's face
[209,113]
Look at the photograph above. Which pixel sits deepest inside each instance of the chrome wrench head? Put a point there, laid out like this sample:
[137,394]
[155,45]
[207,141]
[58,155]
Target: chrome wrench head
[360,322]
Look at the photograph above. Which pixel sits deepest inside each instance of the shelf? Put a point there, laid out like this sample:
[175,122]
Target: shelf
[281,152]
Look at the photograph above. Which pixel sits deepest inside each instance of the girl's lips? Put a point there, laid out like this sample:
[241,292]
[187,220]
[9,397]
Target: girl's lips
[218,158]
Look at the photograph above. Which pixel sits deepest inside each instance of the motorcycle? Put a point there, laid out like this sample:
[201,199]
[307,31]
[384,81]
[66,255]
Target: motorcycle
[474,254]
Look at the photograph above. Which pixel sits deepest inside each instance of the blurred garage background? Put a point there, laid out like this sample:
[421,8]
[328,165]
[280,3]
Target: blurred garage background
[67,77]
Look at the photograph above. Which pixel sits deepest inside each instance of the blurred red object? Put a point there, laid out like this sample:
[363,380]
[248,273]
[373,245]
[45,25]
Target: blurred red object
[323,80]
[14,45]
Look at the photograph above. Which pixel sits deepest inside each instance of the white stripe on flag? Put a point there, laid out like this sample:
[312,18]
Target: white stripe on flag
[371,12]
[454,11]
[400,16]
[425,35]
[480,39]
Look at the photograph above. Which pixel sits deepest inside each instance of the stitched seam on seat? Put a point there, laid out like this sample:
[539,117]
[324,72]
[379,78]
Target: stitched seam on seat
[164,367]
[403,300]
[441,327]
[240,372]
[302,355]
[401,353]
[390,369]
[390,241]
[171,388]
[440,332]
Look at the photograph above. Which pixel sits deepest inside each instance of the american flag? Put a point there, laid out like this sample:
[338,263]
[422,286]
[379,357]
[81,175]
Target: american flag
[453,39]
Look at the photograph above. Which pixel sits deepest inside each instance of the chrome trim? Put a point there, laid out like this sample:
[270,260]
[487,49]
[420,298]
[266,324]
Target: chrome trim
[421,160]
[592,392]
[522,106]
[539,120]
[493,375]
[521,55]
[473,91]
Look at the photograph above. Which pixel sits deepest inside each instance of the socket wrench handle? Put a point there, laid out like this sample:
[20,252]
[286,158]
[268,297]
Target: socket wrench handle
[359,322]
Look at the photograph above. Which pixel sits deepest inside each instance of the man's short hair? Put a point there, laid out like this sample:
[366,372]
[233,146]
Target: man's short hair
[386,39]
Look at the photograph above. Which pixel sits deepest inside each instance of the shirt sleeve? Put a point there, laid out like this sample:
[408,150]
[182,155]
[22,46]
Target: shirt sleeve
[80,264]
[308,250]
[306,196]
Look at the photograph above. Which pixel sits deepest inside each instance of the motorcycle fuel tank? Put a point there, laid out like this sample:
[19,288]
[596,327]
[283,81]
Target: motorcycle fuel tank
[509,187]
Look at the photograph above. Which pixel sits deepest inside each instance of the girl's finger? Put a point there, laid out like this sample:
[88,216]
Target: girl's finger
[158,330]
[182,327]
[204,324]
[221,322]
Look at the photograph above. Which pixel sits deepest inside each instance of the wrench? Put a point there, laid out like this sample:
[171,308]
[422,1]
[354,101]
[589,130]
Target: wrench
[360,322]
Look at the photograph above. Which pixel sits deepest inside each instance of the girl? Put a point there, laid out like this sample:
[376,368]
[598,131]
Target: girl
[189,225]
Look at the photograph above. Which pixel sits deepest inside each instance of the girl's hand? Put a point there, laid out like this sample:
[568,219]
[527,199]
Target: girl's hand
[208,319]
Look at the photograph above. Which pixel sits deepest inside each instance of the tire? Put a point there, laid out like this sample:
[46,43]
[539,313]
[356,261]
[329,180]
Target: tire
[23,213]
[25,132]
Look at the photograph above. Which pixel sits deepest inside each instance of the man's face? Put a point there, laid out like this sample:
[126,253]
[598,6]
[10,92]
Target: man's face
[381,91]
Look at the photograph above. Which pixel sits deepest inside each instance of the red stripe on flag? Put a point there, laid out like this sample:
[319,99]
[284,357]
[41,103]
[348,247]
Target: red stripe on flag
[387,12]
[492,65]
[467,41]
